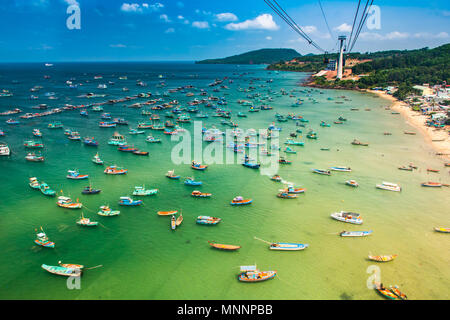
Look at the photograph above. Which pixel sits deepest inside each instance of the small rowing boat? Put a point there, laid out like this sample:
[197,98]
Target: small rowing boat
[140,153]
[286,246]
[284,161]
[384,258]
[191,182]
[107,212]
[90,141]
[179,220]
[285,195]
[289,150]
[396,290]
[239,200]
[320,171]
[199,194]
[294,190]
[167,213]
[405,168]
[152,139]
[352,183]
[173,223]
[432,184]
[207,220]
[252,274]
[71,265]
[384,292]
[198,166]
[432,170]
[341,168]
[443,230]
[62,271]
[359,143]
[276,178]
[349,217]
[34,183]
[171,175]
[226,247]
[355,233]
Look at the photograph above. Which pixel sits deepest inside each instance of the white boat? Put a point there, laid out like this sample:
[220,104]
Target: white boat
[97,159]
[4,149]
[389,186]
[141,191]
[350,217]
[340,168]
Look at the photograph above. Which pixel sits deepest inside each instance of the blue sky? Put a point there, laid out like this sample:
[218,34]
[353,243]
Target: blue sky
[133,30]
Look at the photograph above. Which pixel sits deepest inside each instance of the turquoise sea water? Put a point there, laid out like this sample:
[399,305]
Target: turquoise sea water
[143,259]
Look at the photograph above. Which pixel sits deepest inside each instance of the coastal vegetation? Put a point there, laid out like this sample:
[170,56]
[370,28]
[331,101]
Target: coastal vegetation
[262,56]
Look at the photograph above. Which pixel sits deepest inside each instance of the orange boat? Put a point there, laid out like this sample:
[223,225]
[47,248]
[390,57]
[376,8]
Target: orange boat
[167,213]
[199,194]
[71,265]
[432,170]
[220,246]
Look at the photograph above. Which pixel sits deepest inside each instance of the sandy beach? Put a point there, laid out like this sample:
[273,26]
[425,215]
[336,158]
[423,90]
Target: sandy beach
[439,139]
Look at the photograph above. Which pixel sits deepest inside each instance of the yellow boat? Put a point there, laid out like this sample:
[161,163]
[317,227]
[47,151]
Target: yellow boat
[384,258]
[223,246]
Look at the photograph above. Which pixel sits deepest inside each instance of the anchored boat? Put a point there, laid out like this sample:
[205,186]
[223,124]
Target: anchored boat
[171,175]
[141,191]
[389,186]
[355,233]
[252,274]
[86,222]
[207,220]
[66,202]
[42,240]
[220,246]
[167,213]
[349,217]
[107,212]
[96,159]
[239,201]
[45,189]
[352,183]
[114,170]
[198,166]
[384,258]
[127,201]
[74,174]
[199,194]
[191,182]
[62,271]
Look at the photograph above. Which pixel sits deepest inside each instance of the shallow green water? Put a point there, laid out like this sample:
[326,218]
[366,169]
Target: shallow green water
[143,259]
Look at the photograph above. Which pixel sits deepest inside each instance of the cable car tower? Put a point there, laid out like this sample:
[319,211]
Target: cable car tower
[341,40]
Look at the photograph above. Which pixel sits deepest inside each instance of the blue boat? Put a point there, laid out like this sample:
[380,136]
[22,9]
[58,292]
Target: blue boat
[251,165]
[127,201]
[45,189]
[192,182]
[288,246]
[355,233]
[90,142]
[207,220]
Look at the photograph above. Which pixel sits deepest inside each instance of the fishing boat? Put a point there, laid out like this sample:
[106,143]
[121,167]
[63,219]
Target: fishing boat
[396,290]
[432,170]
[384,291]
[125,148]
[443,230]
[173,222]
[12,121]
[405,168]
[320,171]
[311,135]
[33,157]
[171,175]
[86,222]
[55,125]
[140,153]
[289,150]
[288,246]
[432,184]
[151,139]
[62,271]
[359,143]
[117,140]
[199,194]
[340,168]
[349,217]
[107,212]
[239,201]
[33,144]
[284,161]
[90,141]
[191,182]
[352,183]
[34,183]
[90,190]
[66,202]
[389,186]
[285,195]
[249,164]
[37,133]
[226,247]
[74,174]
[74,136]
[127,201]
[96,159]
[324,124]
[141,191]
[294,190]
[105,124]
[355,233]
[114,170]
[207,220]
[383,258]
[276,178]
[45,189]
[198,166]
[294,143]
[42,240]
[135,131]
[252,274]
[167,213]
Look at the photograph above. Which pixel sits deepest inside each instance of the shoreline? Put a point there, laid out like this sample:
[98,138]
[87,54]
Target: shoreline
[439,140]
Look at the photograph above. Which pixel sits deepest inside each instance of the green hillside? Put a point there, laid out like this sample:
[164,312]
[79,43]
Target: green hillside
[262,56]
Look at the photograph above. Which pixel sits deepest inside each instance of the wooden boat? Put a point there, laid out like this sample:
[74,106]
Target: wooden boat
[179,220]
[90,190]
[173,223]
[396,290]
[207,220]
[198,166]
[349,217]
[294,190]
[90,141]
[191,182]
[125,148]
[238,201]
[171,175]
[252,274]
[432,170]
[355,233]
[289,150]
[42,240]
[320,171]
[141,191]
[352,183]
[71,265]
[384,292]
[285,195]
[66,202]
[432,184]
[45,189]
[288,246]
[86,222]
[152,139]
[37,133]
[33,157]
[443,230]
[251,165]
[114,170]
[389,186]
[359,143]
[107,212]
[276,178]
[199,194]
[34,183]
[384,258]
[135,131]
[294,143]
[105,124]
[405,168]
[33,144]
[127,201]
[341,168]
[75,175]
[220,246]
[62,271]
[409,132]
[167,213]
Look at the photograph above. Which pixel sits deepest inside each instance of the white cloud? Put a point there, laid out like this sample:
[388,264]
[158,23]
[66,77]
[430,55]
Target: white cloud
[200,24]
[226,16]
[268,38]
[137,8]
[343,28]
[313,31]
[180,17]
[264,21]
[396,35]
[440,35]
[170,30]
[119,45]
[165,18]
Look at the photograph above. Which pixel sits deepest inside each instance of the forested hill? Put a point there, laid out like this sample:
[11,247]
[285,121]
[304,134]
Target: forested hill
[262,56]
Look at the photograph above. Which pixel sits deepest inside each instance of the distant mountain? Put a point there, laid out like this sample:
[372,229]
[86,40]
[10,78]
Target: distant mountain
[262,56]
